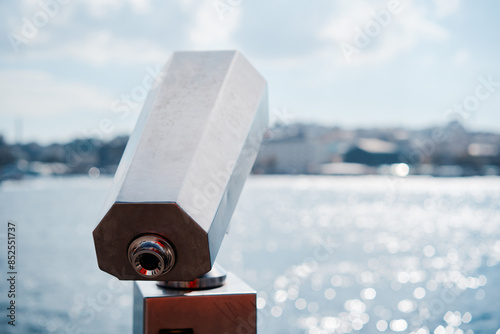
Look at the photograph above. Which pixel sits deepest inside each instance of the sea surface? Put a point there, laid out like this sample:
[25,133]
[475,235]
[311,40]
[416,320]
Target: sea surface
[368,254]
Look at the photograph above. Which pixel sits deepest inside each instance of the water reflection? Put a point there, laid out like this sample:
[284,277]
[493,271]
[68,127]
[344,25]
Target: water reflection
[358,255]
[326,255]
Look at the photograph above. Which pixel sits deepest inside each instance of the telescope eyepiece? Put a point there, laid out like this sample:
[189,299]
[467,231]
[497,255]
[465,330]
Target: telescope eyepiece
[151,255]
[149,261]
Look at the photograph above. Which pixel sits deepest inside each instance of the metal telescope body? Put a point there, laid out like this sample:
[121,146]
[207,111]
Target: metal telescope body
[175,191]
[183,169]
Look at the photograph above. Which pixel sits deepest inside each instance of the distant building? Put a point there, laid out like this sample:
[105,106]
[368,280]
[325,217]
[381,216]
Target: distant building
[373,152]
[291,156]
[293,150]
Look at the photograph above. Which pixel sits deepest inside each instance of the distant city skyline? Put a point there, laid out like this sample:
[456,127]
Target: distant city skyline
[293,149]
[79,68]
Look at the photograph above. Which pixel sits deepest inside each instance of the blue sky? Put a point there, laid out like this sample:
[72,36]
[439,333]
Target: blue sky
[408,63]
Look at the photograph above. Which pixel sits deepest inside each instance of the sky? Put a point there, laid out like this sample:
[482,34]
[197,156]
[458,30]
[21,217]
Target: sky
[79,69]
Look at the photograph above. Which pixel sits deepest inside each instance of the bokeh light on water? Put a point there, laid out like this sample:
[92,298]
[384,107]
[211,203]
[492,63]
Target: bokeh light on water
[326,255]
[370,254]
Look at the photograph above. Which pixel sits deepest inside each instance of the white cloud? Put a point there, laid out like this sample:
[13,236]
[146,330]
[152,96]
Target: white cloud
[185,4]
[403,33]
[444,8]
[96,8]
[212,26]
[347,16]
[30,5]
[207,28]
[37,93]
[141,6]
[61,28]
[428,60]
[99,48]
[101,8]
[461,57]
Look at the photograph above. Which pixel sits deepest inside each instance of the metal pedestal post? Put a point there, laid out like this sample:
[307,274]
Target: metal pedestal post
[229,309]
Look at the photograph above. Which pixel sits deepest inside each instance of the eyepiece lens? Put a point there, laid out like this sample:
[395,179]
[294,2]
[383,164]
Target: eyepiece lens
[149,261]
[151,256]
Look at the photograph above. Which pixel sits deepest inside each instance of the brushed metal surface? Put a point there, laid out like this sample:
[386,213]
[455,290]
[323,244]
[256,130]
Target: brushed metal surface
[228,309]
[186,162]
[213,279]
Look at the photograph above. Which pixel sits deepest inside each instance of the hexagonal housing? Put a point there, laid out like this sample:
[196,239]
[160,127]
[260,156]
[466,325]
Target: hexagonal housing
[186,162]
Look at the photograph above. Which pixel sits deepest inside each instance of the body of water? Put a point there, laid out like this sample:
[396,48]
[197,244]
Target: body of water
[326,255]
